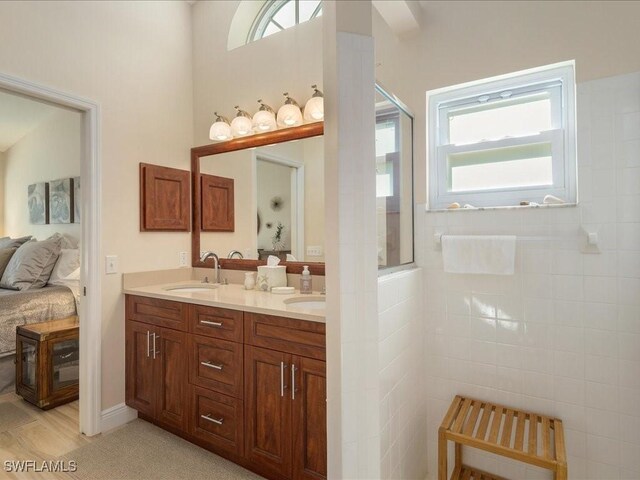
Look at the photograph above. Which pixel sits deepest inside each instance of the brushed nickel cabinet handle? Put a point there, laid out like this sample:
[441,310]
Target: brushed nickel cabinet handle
[148,351]
[208,418]
[212,365]
[155,351]
[213,324]
[282,379]
[293,381]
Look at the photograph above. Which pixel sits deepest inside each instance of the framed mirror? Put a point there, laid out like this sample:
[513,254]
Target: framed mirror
[261,195]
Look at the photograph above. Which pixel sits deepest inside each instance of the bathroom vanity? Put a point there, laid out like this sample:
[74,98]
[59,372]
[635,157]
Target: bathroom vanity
[240,373]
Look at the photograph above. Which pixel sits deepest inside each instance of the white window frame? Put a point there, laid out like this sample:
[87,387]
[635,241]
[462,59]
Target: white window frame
[559,81]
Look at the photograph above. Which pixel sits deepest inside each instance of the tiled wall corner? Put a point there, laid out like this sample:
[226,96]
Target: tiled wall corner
[402,375]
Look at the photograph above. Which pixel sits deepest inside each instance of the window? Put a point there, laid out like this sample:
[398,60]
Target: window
[394,181]
[278,15]
[501,141]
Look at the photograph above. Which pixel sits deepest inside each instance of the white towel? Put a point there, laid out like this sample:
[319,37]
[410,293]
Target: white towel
[484,254]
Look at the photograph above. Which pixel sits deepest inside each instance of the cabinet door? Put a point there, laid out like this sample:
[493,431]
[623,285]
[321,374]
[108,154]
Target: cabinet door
[63,369]
[140,368]
[171,357]
[268,409]
[309,416]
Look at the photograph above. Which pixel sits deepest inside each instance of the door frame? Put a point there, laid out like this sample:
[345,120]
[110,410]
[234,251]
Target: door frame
[297,194]
[91,304]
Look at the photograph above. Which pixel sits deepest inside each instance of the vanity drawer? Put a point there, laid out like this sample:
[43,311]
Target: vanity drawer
[216,364]
[216,322]
[155,311]
[299,337]
[217,420]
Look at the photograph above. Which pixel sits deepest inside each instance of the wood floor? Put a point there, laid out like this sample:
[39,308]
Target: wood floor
[49,435]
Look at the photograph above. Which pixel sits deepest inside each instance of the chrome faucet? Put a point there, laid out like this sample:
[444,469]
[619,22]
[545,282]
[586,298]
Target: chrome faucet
[235,252]
[216,264]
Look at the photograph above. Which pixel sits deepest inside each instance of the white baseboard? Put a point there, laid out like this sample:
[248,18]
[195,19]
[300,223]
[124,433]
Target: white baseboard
[115,416]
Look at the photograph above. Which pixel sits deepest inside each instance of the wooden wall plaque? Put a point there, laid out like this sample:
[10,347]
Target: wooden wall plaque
[165,199]
[217,207]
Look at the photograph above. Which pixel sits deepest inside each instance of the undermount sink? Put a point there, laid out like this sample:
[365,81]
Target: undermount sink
[306,303]
[198,287]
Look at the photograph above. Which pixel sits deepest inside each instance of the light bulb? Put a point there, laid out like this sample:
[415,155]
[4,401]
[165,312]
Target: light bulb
[264,119]
[241,125]
[220,130]
[314,109]
[289,115]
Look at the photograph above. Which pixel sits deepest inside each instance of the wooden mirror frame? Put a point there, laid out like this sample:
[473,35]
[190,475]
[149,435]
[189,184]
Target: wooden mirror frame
[259,140]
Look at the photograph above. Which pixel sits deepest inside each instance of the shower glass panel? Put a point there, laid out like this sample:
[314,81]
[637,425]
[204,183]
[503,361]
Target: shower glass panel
[394,181]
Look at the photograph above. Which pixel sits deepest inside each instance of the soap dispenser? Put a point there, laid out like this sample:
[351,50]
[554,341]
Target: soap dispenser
[305,280]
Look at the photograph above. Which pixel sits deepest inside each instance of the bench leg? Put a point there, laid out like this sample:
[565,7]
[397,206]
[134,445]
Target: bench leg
[458,455]
[560,473]
[442,456]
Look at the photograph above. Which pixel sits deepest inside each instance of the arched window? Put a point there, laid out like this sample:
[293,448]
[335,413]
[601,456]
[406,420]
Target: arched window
[278,15]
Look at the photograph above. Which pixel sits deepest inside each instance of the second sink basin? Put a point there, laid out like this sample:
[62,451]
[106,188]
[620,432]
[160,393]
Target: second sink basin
[198,287]
[306,303]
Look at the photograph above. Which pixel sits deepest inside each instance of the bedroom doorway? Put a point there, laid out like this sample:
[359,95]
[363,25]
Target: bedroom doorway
[61,209]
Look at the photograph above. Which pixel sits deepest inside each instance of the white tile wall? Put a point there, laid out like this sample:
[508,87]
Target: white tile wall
[561,336]
[403,412]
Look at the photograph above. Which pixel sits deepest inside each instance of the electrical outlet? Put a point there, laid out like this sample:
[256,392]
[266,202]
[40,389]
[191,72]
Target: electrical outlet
[314,251]
[183,259]
[111,264]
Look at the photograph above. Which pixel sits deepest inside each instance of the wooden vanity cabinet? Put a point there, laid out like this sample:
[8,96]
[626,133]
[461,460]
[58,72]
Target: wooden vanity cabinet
[285,396]
[155,372]
[249,387]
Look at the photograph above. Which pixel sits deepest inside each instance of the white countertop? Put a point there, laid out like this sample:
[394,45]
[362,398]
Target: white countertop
[235,297]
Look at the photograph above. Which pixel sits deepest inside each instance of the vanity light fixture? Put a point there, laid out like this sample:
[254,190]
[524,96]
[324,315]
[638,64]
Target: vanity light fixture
[220,130]
[314,109]
[241,125]
[265,119]
[289,114]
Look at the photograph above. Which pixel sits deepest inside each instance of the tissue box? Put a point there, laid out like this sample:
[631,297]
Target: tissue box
[271,276]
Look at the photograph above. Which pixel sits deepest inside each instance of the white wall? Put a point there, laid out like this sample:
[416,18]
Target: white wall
[274,180]
[134,60]
[51,151]
[562,336]
[289,61]
[403,408]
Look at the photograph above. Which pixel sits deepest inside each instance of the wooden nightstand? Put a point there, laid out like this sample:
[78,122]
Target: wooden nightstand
[47,362]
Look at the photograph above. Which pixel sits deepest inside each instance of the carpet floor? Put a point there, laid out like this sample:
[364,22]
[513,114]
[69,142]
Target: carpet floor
[142,451]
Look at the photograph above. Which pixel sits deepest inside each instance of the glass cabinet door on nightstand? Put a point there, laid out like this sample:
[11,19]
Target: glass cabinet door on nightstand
[28,361]
[64,366]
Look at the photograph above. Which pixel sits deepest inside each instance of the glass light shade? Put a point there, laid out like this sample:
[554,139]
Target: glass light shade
[289,115]
[264,121]
[314,109]
[220,131]
[241,126]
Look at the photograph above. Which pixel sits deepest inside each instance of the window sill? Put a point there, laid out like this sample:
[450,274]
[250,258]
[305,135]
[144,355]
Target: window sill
[508,207]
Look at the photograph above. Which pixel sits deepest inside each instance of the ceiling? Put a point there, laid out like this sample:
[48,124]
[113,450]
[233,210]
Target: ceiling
[18,116]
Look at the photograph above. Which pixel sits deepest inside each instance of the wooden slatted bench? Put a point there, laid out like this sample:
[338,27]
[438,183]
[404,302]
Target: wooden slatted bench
[528,437]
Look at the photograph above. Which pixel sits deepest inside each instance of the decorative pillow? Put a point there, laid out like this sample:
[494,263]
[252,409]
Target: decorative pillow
[66,241]
[5,256]
[8,242]
[68,261]
[31,265]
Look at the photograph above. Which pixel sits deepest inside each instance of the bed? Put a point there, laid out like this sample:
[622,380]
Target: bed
[40,282]
[31,306]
